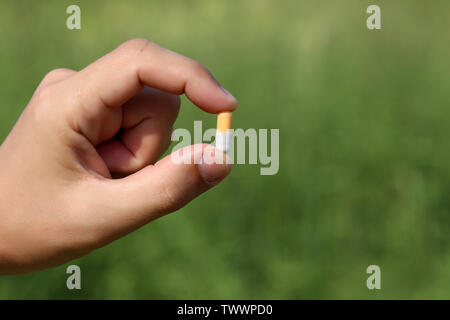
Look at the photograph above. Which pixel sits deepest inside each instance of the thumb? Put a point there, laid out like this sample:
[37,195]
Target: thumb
[164,187]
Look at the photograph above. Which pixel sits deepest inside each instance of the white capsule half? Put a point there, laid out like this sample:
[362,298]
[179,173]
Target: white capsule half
[223,140]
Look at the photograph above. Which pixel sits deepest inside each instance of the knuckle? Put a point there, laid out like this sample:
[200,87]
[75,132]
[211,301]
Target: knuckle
[136,45]
[56,74]
[197,68]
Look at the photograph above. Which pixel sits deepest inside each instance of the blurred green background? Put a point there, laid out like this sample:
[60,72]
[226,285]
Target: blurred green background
[364,119]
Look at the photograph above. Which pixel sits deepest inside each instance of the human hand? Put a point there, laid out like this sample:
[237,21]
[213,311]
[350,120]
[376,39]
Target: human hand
[57,198]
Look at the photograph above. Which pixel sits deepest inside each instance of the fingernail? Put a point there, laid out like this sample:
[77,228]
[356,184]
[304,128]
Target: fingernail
[212,173]
[227,92]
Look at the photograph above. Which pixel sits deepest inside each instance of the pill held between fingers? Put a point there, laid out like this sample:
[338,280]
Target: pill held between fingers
[223,131]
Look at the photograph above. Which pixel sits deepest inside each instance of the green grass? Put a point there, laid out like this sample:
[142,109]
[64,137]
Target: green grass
[364,119]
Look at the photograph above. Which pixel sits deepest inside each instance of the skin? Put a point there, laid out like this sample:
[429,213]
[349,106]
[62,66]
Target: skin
[58,198]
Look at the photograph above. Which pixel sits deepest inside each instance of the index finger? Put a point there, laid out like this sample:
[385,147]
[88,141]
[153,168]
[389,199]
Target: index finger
[118,76]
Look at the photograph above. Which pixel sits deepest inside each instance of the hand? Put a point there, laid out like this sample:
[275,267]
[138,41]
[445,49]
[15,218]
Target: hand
[57,198]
